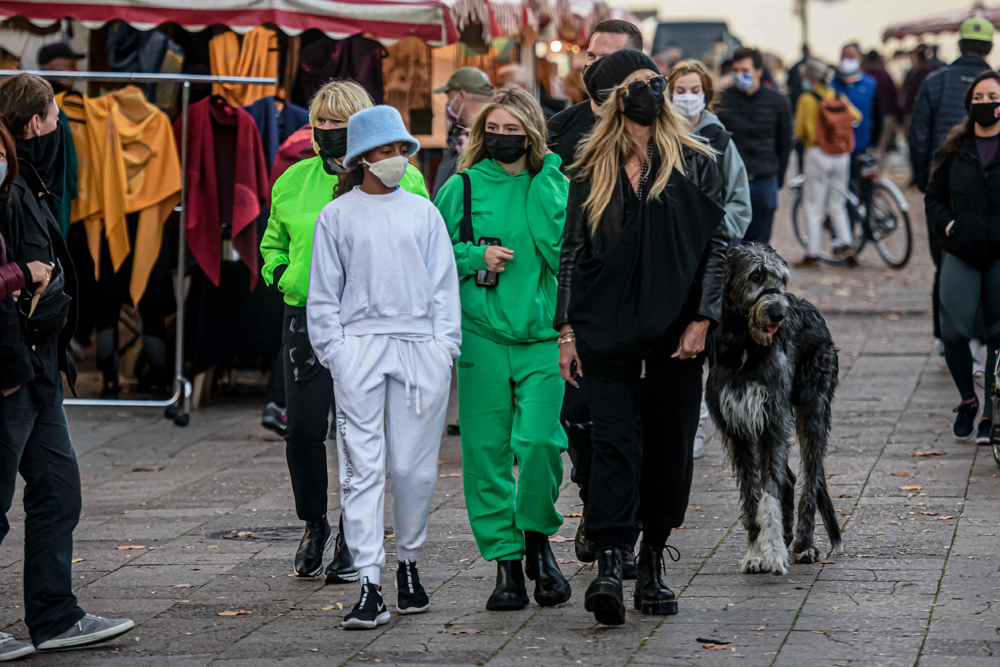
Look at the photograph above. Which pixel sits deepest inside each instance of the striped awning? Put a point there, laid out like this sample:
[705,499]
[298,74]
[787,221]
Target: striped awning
[386,20]
[935,25]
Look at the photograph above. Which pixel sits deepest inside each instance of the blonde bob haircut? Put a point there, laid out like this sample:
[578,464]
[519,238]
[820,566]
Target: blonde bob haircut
[338,100]
[685,67]
[525,108]
[610,145]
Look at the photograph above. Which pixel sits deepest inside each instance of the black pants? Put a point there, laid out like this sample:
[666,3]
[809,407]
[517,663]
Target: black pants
[309,395]
[575,419]
[34,441]
[642,441]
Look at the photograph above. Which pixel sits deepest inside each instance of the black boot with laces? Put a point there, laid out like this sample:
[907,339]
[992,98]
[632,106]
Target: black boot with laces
[410,595]
[370,611]
[652,596]
[604,598]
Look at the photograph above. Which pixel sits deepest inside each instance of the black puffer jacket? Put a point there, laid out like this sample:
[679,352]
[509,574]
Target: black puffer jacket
[705,296]
[966,191]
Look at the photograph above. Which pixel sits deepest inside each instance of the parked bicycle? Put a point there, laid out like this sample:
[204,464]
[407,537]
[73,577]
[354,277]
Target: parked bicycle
[878,212]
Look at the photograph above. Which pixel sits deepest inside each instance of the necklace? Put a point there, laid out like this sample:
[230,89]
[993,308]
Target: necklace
[644,174]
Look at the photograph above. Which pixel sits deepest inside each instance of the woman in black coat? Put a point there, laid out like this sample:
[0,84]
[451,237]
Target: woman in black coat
[640,285]
[963,208]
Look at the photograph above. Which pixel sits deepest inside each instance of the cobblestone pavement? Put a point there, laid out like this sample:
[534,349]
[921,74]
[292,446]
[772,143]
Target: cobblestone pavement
[189,532]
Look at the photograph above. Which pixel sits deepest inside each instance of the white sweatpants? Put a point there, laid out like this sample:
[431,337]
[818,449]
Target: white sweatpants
[824,193]
[391,398]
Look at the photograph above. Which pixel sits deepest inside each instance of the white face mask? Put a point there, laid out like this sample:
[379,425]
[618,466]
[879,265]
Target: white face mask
[849,66]
[390,170]
[3,171]
[690,104]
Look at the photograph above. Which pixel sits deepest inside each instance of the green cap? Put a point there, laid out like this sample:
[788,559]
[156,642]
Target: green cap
[976,28]
[470,79]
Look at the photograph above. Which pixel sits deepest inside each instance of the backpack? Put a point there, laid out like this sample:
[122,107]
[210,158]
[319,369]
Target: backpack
[834,125]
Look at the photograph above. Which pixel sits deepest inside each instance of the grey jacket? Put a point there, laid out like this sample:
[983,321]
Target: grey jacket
[737,184]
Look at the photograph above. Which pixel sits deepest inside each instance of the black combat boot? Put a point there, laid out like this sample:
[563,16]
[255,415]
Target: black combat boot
[551,587]
[652,597]
[510,593]
[604,595]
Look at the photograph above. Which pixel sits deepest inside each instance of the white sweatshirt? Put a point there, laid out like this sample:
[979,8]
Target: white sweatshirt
[382,264]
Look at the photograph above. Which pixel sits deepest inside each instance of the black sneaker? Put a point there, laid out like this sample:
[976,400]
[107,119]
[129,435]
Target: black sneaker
[369,612]
[410,595]
[966,419]
[275,419]
[983,432]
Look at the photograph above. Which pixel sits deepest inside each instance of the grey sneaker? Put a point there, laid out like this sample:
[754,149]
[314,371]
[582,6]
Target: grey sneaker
[12,649]
[89,630]
[699,443]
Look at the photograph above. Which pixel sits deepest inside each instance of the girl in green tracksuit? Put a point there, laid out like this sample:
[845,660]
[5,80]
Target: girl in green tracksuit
[297,198]
[509,389]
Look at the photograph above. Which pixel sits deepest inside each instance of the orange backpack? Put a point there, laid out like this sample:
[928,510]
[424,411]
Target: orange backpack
[834,126]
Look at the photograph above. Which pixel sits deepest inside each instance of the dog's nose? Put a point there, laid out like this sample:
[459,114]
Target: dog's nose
[776,314]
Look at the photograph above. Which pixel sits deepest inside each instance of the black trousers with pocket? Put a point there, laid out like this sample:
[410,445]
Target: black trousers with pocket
[308,396]
[34,441]
[642,445]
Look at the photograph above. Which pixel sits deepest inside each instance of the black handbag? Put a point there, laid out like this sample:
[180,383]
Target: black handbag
[46,316]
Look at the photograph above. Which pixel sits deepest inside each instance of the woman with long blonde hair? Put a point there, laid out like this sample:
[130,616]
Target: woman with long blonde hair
[505,213]
[640,285]
[297,198]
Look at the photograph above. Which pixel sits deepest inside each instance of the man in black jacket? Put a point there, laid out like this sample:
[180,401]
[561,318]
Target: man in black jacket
[940,106]
[34,435]
[761,122]
[567,127]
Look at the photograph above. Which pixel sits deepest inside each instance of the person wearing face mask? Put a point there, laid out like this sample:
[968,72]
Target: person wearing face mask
[693,94]
[384,317]
[468,89]
[862,90]
[34,434]
[509,390]
[640,285]
[761,122]
[963,210]
[297,198]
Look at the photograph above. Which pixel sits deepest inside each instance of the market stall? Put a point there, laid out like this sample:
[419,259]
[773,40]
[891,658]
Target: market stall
[941,23]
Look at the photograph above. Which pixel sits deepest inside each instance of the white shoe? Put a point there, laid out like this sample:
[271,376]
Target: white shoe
[939,353]
[12,649]
[88,630]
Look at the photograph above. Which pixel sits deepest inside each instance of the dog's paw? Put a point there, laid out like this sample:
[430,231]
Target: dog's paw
[805,555]
[774,565]
[751,564]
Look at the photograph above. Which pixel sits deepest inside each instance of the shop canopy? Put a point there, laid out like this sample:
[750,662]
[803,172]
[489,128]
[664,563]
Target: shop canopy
[934,25]
[386,20]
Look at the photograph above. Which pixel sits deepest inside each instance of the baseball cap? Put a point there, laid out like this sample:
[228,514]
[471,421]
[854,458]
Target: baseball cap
[469,79]
[51,52]
[976,28]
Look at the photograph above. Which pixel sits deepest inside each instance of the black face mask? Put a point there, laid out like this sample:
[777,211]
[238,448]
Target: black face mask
[643,102]
[985,113]
[45,155]
[332,146]
[505,148]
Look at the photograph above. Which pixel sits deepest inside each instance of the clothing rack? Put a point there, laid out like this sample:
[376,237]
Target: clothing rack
[178,406]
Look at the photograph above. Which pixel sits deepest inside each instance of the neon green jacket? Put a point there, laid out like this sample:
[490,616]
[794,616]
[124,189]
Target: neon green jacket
[527,215]
[296,200]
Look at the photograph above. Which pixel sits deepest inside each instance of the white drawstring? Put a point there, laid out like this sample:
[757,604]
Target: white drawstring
[407,371]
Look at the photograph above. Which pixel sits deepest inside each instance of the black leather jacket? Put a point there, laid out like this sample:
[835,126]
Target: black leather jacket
[706,293]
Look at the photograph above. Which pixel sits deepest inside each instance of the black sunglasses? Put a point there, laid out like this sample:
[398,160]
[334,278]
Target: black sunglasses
[657,84]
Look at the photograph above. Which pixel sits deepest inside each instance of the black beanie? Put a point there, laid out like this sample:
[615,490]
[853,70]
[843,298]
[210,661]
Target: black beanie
[610,71]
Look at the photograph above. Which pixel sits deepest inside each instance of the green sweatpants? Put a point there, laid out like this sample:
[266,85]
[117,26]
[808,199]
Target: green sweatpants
[509,399]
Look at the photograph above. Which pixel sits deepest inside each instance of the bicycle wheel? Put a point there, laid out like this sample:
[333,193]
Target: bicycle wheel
[889,224]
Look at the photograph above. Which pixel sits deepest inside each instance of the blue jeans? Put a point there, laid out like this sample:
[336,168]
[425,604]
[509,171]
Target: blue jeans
[34,440]
[763,202]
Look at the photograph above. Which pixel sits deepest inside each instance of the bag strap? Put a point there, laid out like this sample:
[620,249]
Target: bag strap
[466,234]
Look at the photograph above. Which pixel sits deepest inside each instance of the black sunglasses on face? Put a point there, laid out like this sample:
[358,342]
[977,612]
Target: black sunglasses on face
[657,84]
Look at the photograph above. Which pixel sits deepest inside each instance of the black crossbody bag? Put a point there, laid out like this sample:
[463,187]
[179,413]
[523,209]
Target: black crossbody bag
[466,234]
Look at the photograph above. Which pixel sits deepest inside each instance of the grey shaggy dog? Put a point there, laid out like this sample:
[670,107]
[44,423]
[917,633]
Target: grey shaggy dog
[775,374]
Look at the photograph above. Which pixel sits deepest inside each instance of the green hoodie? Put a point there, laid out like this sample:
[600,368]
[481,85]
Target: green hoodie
[527,215]
[297,198]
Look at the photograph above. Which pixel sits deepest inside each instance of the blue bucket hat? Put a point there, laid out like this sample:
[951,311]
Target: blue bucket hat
[374,127]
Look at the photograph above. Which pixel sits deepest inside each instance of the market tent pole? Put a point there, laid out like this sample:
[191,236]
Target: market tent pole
[178,405]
